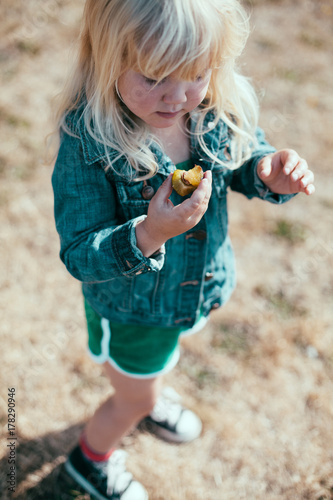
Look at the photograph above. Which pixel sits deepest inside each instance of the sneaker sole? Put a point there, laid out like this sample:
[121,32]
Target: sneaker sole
[84,483]
[169,436]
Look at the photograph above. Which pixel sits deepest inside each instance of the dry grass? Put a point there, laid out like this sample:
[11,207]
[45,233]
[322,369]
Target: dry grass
[261,375]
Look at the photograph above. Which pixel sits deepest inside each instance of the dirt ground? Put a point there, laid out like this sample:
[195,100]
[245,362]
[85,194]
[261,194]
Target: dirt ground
[261,375]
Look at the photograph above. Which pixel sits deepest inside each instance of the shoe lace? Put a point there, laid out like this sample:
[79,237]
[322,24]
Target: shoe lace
[167,407]
[118,478]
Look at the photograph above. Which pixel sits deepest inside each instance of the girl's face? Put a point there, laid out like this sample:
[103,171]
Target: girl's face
[161,105]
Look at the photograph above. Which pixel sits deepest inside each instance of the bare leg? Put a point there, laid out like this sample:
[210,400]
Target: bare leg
[133,399]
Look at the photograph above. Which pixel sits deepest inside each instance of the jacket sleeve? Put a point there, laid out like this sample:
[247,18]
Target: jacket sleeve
[245,179]
[93,245]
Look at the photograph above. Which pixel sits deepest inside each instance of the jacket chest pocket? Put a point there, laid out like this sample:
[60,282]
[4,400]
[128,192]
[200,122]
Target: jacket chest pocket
[134,198]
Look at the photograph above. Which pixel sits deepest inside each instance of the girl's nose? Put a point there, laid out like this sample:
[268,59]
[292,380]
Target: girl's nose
[176,93]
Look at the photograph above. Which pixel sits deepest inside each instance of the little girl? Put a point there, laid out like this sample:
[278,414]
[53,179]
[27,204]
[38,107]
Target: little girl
[154,88]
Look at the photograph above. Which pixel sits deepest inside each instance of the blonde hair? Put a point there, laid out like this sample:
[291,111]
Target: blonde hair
[157,38]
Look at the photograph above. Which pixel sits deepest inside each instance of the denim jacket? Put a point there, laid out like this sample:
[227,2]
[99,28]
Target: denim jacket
[96,211]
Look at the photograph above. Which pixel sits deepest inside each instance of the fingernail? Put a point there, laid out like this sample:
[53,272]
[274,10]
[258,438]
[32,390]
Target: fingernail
[287,170]
[294,176]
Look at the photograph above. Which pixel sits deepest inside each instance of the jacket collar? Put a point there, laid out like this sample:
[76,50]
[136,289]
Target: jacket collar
[93,151]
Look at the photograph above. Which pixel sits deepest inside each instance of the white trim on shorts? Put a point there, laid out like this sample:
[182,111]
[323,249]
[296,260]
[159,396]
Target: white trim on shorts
[197,327]
[105,354]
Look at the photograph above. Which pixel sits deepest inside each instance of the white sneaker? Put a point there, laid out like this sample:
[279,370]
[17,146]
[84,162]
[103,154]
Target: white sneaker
[106,480]
[169,420]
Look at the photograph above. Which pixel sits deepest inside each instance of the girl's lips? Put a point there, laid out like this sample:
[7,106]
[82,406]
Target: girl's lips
[167,115]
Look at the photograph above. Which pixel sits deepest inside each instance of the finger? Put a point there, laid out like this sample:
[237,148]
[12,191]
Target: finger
[205,184]
[307,179]
[289,159]
[196,205]
[208,175]
[265,167]
[165,189]
[310,189]
[299,170]
[203,192]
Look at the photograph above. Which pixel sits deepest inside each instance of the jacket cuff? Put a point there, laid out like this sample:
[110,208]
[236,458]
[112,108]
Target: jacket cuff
[129,258]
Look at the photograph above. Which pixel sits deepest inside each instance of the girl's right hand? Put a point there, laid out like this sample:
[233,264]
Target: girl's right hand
[165,220]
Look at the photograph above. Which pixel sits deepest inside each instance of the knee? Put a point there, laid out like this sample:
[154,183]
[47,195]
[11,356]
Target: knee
[141,405]
[138,404]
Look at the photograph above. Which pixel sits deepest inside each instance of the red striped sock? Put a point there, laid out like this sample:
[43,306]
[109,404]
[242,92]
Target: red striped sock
[91,454]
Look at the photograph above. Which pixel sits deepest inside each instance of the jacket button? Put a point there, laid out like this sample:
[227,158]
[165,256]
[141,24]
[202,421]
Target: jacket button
[147,192]
[216,305]
[208,276]
[197,235]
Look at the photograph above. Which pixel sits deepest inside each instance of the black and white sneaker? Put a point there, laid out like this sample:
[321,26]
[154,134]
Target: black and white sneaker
[169,420]
[107,480]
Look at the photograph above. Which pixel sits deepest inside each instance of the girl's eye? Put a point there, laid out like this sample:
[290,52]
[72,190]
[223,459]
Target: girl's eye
[152,82]
[202,75]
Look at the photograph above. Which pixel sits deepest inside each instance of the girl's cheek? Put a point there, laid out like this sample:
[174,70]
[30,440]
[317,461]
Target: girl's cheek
[201,89]
[199,95]
[138,95]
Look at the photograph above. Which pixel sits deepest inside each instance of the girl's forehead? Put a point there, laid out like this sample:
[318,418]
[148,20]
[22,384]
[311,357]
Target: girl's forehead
[185,70]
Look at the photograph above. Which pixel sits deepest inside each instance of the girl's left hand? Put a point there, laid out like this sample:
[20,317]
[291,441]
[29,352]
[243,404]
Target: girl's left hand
[284,172]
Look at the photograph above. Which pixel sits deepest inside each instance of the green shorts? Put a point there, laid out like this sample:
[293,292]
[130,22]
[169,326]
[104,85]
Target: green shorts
[138,351]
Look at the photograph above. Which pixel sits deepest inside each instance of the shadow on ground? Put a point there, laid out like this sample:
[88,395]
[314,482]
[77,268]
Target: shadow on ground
[40,461]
